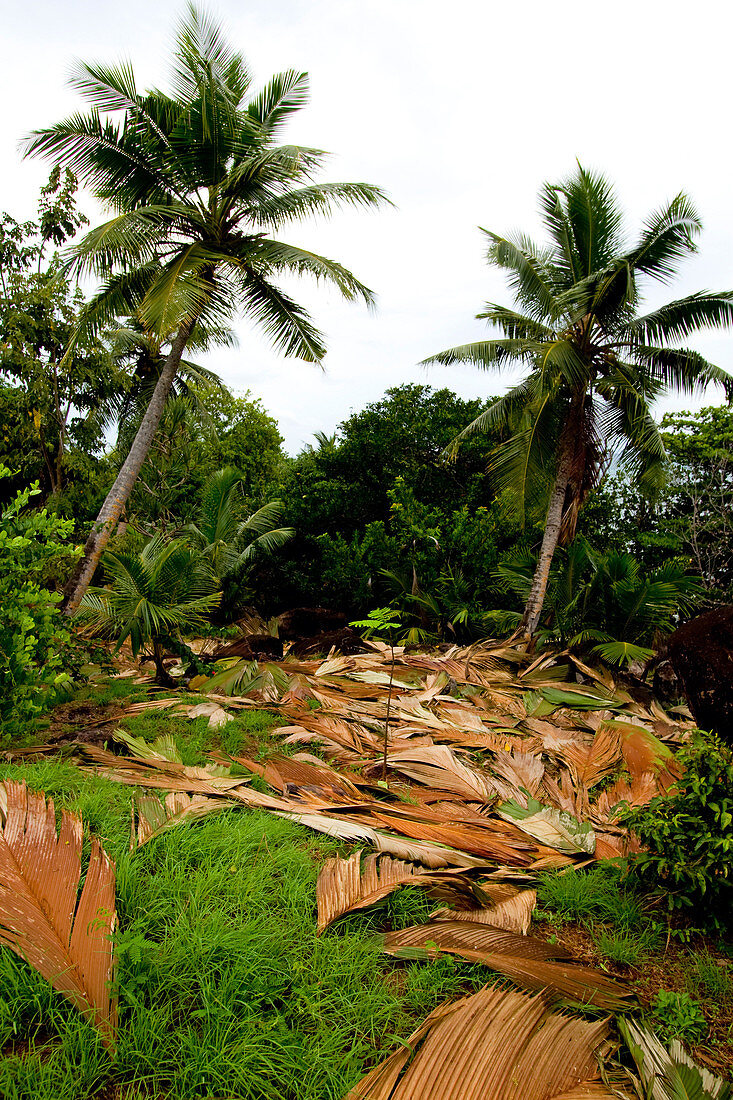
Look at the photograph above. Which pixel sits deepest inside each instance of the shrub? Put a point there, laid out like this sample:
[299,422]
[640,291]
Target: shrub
[688,834]
[677,1016]
[32,632]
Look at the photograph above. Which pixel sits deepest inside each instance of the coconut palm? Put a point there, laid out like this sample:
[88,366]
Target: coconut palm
[227,542]
[198,181]
[594,364]
[151,597]
[604,598]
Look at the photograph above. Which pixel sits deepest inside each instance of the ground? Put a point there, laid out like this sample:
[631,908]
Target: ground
[225,988]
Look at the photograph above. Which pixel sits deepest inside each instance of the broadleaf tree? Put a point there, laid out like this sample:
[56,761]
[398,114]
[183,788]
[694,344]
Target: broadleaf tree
[593,363]
[200,187]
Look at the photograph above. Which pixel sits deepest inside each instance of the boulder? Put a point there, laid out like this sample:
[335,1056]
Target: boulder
[701,654]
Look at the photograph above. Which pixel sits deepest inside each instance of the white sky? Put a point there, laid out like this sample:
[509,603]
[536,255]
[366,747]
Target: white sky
[460,111]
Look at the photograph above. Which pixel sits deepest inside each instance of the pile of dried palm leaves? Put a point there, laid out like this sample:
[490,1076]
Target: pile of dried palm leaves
[500,764]
[494,757]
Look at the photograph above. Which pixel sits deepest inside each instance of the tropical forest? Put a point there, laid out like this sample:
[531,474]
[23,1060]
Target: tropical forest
[398,764]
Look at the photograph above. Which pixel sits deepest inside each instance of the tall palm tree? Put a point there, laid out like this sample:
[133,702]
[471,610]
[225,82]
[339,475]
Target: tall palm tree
[198,180]
[142,356]
[594,364]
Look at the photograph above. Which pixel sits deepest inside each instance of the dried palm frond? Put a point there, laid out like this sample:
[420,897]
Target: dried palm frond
[528,962]
[65,936]
[344,885]
[496,1044]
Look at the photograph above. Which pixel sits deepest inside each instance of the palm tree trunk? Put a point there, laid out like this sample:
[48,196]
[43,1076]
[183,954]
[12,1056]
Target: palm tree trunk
[118,495]
[553,522]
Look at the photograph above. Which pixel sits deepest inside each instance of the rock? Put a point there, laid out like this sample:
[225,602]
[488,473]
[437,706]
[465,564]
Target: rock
[307,622]
[701,653]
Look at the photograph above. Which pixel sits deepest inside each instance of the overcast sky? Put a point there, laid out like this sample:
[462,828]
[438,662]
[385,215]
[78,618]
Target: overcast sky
[460,111]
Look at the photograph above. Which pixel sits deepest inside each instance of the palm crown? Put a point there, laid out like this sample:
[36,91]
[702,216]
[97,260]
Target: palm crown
[595,365]
[198,180]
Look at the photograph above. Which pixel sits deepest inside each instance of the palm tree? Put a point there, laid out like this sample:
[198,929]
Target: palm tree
[594,364]
[607,598]
[227,542]
[152,596]
[198,180]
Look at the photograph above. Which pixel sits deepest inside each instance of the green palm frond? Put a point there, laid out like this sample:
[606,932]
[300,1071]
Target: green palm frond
[195,177]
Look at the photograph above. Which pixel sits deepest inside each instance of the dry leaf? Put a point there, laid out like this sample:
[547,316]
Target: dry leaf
[525,960]
[345,886]
[67,939]
[494,1045]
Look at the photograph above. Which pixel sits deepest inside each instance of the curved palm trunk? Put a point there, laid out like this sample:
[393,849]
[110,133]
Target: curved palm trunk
[118,495]
[566,477]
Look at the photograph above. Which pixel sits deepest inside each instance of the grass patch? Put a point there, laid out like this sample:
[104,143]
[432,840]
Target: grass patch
[590,896]
[707,978]
[600,901]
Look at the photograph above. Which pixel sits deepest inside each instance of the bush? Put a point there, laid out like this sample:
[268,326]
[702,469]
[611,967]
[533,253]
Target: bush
[32,632]
[689,835]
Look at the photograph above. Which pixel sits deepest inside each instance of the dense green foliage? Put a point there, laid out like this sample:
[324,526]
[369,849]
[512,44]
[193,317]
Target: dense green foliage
[33,636]
[379,496]
[688,835]
[604,599]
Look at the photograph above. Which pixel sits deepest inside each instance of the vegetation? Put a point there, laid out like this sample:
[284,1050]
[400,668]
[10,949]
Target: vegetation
[500,781]
[595,364]
[688,836]
[32,635]
[196,179]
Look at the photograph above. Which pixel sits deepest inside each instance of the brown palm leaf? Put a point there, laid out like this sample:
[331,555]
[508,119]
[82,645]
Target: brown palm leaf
[496,1044]
[64,937]
[508,908]
[155,817]
[344,885]
[528,962]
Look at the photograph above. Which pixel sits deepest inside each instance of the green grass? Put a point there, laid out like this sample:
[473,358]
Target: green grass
[225,990]
[707,979]
[598,899]
[589,896]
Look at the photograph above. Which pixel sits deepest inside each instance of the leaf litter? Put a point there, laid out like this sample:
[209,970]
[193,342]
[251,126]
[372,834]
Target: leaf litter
[500,764]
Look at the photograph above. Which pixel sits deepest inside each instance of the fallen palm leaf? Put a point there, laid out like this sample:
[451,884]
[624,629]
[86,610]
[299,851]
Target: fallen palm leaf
[528,962]
[438,766]
[669,1074]
[415,851]
[155,817]
[344,885]
[216,714]
[67,939]
[556,828]
[507,908]
[494,1045]
[163,748]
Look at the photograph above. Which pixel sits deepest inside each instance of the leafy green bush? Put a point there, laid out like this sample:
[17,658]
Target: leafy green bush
[32,632]
[677,1016]
[688,835]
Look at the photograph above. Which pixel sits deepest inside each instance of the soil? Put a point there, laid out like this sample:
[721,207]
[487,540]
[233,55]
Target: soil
[667,970]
